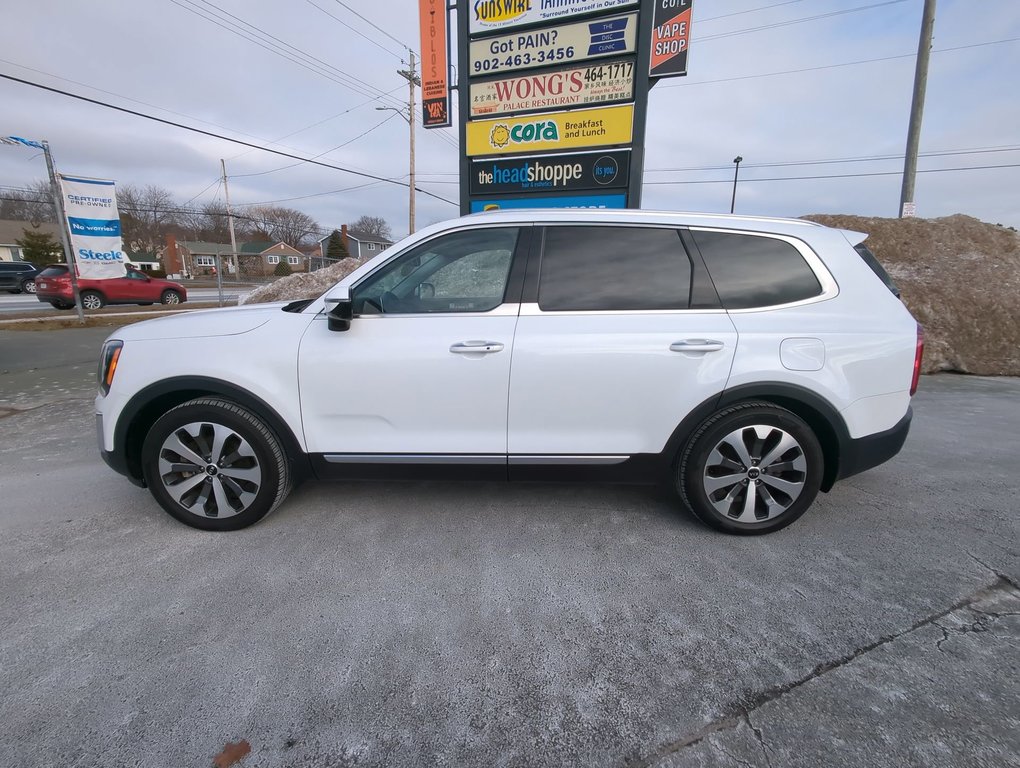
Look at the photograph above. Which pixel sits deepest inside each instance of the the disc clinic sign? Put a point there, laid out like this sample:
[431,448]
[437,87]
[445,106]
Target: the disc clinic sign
[564,44]
[575,87]
[551,173]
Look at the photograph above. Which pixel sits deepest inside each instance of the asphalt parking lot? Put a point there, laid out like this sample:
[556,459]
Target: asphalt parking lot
[484,624]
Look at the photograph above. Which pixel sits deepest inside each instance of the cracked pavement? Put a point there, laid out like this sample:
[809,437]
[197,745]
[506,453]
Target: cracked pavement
[485,624]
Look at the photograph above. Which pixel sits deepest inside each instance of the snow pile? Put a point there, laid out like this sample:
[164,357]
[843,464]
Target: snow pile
[303,285]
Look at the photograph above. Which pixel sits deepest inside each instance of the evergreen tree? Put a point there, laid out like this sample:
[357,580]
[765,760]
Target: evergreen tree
[39,247]
[335,248]
[282,269]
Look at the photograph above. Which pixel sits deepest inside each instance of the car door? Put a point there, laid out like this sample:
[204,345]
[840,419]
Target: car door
[422,374]
[619,340]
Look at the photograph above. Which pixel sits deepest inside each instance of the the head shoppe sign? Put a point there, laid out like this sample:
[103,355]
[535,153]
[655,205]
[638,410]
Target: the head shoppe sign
[553,96]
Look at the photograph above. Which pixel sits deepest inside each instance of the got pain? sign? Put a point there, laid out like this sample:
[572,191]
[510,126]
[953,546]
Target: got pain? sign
[557,130]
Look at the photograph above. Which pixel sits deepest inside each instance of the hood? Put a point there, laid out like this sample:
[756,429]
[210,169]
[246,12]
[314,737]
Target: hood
[225,321]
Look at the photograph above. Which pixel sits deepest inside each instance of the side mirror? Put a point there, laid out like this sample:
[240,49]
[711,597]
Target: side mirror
[339,317]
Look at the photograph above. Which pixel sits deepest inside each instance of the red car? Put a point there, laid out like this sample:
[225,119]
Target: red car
[53,285]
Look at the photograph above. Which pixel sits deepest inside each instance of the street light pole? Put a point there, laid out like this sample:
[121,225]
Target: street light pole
[736,170]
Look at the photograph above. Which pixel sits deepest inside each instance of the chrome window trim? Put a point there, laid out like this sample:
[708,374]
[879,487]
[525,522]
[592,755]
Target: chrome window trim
[531,309]
[830,288]
[503,310]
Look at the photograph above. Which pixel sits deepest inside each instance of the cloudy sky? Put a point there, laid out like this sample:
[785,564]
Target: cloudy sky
[779,83]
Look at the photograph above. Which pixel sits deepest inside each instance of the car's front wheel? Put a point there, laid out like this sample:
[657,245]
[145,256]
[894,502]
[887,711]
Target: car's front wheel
[92,300]
[170,297]
[214,465]
[750,469]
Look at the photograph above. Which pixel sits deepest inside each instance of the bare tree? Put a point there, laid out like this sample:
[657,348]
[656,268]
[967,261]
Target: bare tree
[146,215]
[291,226]
[373,225]
[34,204]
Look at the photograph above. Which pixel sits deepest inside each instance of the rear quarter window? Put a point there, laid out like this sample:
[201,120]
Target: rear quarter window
[876,266]
[55,271]
[751,271]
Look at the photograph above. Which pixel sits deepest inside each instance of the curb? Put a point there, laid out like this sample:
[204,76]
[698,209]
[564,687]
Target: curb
[72,320]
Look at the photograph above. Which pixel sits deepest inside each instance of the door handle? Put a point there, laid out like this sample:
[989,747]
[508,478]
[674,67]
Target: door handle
[696,345]
[476,347]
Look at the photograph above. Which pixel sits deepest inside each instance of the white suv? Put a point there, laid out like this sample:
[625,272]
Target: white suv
[750,362]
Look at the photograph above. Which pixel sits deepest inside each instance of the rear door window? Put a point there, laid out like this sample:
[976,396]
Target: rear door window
[876,266]
[53,272]
[613,268]
[756,271]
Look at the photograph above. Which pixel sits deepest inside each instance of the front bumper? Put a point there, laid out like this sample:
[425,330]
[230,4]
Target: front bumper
[115,460]
[864,453]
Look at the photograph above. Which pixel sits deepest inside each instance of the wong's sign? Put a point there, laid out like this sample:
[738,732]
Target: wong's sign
[94,224]
[564,44]
[551,173]
[577,129]
[490,15]
[576,87]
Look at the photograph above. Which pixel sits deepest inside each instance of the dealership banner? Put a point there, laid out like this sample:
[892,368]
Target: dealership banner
[578,129]
[551,173]
[671,35]
[94,224]
[577,87]
[490,15]
[614,200]
[581,41]
[435,90]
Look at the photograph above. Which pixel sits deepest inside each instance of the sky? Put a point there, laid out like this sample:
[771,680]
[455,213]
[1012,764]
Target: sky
[180,60]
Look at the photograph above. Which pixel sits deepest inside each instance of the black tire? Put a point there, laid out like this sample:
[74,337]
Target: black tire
[61,305]
[13,290]
[145,303]
[92,300]
[28,286]
[250,477]
[713,476]
[170,297]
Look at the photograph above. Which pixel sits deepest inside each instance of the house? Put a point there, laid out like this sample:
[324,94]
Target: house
[15,230]
[359,244]
[197,258]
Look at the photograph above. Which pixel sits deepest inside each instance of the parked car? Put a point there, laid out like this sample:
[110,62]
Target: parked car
[53,285]
[18,276]
[748,362]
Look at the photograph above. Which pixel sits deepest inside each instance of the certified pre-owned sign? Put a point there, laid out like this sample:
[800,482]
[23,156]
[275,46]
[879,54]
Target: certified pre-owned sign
[490,15]
[557,130]
[565,44]
[575,87]
[551,173]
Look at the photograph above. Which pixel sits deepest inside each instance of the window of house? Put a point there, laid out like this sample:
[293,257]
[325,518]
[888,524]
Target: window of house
[272,259]
[755,271]
[371,246]
[613,268]
[205,261]
[293,260]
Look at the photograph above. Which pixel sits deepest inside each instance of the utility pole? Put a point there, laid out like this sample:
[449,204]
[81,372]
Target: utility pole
[58,201]
[736,170]
[411,75]
[917,108]
[233,239]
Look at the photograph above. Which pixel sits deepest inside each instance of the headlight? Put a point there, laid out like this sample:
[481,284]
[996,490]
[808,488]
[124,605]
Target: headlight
[108,363]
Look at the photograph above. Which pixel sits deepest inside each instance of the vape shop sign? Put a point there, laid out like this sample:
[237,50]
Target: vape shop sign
[575,87]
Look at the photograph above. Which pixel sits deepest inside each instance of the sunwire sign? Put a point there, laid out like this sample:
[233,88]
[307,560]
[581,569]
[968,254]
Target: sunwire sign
[551,173]
[576,87]
[562,44]
[491,15]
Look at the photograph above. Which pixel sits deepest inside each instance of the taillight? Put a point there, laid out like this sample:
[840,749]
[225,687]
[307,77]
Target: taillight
[108,363]
[918,354]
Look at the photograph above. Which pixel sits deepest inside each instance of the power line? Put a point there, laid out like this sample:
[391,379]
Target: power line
[371,24]
[833,176]
[749,10]
[795,21]
[834,66]
[217,180]
[358,32]
[214,135]
[314,194]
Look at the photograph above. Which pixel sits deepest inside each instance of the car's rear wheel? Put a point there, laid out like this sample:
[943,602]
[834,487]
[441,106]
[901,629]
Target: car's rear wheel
[214,465]
[28,286]
[170,297]
[92,300]
[750,469]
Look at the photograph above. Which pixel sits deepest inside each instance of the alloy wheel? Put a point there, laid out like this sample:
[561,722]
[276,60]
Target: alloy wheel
[755,473]
[209,470]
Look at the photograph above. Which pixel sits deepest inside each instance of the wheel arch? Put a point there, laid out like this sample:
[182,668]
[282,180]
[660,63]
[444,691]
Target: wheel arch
[823,418]
[148,404]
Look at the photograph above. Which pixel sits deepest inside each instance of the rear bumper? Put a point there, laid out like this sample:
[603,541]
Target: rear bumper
[862,454]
